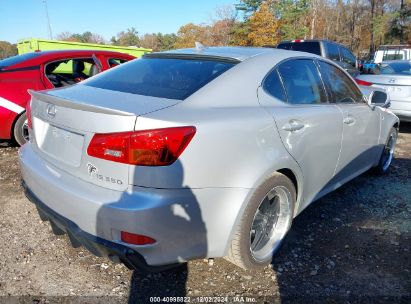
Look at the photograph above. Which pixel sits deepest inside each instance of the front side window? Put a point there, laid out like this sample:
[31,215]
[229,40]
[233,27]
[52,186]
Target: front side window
[173,78]
[273,86]
[339,86]
[302,82]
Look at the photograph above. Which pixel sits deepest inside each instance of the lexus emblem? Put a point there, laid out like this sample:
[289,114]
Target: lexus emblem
[51,110]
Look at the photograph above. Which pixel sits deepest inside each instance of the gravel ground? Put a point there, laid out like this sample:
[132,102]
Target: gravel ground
[352,246]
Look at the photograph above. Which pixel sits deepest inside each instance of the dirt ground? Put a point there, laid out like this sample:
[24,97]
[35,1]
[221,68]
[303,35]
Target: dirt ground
[352,246]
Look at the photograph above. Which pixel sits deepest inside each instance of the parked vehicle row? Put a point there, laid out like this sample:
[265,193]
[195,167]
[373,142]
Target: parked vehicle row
[327,49]
[44,70]
[197,153]
[395,78]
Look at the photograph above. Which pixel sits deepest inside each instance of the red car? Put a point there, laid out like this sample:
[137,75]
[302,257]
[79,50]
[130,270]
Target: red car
[44,70]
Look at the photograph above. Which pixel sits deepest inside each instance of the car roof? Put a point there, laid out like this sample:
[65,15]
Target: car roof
[236,52]
[63,52]
[59,54]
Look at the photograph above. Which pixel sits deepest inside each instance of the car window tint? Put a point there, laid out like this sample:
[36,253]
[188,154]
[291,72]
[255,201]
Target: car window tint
[161,77]
[302,82]
[284,46]
[348,57]
[273,86]
[332,50]
[340,87]
[400,68]
[309,47]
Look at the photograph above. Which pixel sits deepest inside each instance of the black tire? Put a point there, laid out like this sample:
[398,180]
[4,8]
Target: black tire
[240,252]
[387,153]
[20,129]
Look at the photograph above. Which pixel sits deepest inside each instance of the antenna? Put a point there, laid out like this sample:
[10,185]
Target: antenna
[48,19]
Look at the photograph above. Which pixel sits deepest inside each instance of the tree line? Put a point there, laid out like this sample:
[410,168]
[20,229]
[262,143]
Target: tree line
[361,25]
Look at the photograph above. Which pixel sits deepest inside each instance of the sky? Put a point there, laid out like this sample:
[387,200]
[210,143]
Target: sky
[27,18]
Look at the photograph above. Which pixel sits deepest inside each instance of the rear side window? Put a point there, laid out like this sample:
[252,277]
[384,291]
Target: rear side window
[273,86]
[332,50]
[161,77]
[339,86]
[302,82]
[285,46]
[308,46]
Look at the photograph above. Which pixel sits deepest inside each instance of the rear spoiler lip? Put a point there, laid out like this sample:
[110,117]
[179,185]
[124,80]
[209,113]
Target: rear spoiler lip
[43,96]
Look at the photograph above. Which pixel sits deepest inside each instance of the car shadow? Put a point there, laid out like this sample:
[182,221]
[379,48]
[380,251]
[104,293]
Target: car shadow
[7,144]
[173,217]
[405,127]
[342,247]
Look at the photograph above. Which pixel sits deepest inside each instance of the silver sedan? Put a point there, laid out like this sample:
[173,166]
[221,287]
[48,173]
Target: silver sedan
[195,153]
[395,78]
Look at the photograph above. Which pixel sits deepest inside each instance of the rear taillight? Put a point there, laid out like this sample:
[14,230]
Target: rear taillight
[28,115]
[363,82]
[158,147]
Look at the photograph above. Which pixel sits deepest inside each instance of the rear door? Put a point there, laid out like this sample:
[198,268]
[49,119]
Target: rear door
[361,123]
[309,126]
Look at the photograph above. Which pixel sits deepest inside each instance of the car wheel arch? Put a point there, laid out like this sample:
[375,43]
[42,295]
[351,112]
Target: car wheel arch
[293,172]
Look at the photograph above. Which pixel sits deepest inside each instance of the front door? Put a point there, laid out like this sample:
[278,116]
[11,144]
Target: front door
[361,129]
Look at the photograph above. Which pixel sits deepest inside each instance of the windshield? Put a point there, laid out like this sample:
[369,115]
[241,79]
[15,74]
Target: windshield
[399,68]
[161,77]
[17,59]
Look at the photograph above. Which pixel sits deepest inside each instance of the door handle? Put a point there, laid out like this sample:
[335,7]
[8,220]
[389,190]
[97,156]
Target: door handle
[293,125]
[349,120]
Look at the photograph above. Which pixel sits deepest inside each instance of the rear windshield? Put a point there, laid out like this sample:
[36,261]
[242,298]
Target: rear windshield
[308,46]
[17,59]
[399,68]
[161,77]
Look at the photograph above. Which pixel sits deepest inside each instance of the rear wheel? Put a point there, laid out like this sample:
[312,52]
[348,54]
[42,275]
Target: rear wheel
[21,130]
[388,152]
[265,222]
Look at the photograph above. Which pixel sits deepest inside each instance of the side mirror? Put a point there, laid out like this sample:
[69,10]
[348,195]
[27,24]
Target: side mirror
[379,98]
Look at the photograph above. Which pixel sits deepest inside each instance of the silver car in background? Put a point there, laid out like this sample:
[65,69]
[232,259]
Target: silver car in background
[199,153]
[395,78]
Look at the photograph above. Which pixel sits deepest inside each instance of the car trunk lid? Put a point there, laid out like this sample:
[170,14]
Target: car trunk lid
[65,120]
[397,86]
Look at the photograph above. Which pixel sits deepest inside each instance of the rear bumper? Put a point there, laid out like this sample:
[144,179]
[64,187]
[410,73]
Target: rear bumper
[98,246]
[186,223]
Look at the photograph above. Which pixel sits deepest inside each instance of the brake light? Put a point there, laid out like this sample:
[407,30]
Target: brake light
[28,115]
[136,239]
[297,40]
[363,83]
[158,147]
